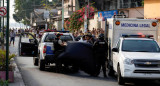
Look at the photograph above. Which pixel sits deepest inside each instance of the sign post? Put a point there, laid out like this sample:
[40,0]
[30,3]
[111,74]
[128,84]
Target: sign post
[46,16]
[85,17]
[3,11]
[62,15]
[7,40]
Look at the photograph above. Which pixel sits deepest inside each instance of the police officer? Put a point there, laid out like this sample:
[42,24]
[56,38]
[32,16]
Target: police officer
[58,49]
[100,49]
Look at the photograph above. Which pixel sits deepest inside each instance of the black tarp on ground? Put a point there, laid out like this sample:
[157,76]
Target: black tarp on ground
[81,55]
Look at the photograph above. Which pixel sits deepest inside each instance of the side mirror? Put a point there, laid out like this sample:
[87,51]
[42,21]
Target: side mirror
[115,50]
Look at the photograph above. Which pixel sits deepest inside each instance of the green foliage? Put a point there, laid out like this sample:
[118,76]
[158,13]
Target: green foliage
[23,8]
[3,60]
[143,3]
[3,83]
[76,20]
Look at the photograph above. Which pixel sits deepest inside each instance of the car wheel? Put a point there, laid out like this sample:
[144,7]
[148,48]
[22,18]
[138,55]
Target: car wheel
[42,65]
[121,80]
[35,61]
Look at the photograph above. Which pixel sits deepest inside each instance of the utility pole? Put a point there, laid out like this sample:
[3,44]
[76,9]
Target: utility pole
[3,31]
[85,17]
[62,15]
[46,25]
[0,24]
[7,40]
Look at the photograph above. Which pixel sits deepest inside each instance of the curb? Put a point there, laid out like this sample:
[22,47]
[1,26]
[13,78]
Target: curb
[18,80]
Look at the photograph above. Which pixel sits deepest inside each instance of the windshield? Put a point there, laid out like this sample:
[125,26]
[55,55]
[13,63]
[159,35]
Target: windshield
[140,46]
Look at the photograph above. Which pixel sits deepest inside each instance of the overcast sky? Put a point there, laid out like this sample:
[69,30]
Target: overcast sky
[13,23]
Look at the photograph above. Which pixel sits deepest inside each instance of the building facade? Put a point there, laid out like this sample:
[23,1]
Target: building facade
[151,11]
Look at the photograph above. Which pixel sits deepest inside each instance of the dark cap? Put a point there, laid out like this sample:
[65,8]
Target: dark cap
[58,35]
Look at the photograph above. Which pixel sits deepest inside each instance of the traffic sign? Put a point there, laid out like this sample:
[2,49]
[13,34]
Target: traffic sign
[3,11]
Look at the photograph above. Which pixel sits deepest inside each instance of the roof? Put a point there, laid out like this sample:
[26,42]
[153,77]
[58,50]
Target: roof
[56,32]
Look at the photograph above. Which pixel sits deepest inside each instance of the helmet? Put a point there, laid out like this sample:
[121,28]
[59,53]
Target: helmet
[101,36]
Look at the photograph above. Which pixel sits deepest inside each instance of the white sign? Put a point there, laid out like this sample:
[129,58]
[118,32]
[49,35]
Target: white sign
[3,11]
[46,14]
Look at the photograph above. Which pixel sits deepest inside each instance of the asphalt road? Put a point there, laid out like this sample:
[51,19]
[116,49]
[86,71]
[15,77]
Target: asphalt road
[32,76]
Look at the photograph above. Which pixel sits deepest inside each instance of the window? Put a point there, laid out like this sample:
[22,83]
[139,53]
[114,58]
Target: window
[66,38]
[50,38]
[130,3]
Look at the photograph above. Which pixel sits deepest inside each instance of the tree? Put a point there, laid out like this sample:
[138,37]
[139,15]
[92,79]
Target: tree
[23,8]
[77,18]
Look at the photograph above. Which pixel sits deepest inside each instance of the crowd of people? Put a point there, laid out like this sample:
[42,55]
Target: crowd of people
[94,37]
[95,32]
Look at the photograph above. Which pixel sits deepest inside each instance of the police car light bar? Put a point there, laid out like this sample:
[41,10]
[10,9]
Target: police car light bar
[63,31]
[137,36]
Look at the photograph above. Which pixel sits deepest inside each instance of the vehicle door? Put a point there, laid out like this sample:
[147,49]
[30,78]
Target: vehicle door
[28,45]
[116,55]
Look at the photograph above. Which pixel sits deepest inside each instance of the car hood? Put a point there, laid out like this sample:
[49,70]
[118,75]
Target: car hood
[141,55]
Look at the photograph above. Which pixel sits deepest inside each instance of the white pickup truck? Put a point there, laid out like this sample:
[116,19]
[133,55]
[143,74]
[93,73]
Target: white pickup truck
[134,52]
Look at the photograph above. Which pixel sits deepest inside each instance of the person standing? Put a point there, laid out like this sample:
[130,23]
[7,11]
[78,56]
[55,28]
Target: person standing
[100,49]
[58,49]
[12,36]
[31,36]
[83,39]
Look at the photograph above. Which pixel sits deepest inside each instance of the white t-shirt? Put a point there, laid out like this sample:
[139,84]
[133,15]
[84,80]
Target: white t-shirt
[60,42]
[81,40]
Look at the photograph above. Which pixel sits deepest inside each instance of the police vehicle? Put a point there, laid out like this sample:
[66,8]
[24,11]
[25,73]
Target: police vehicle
[42,51]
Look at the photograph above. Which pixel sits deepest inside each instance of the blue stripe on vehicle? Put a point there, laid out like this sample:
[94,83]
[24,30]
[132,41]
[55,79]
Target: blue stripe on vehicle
[49,50]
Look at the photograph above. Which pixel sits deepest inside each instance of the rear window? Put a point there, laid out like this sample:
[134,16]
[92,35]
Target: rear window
[50,38]
[66,38]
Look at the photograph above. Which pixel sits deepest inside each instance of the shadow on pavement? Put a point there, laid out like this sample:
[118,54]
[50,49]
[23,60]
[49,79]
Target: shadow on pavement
[80,74]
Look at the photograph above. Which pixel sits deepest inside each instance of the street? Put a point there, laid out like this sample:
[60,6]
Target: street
[32,76]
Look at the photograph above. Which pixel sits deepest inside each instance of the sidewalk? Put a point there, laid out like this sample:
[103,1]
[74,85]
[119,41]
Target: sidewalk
[18,80]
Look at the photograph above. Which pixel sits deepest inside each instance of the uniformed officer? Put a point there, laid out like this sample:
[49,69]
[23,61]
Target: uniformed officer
[58,49]
[100,49]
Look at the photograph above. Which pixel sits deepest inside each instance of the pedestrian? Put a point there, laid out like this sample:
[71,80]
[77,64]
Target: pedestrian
[89,38]
[100,50]
[12,36]
[82,39]
[31,36]
[41,32]
[58,49]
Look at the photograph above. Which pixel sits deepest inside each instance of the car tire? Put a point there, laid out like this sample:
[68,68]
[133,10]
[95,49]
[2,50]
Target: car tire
[35,61]
[121,80]
[42,65]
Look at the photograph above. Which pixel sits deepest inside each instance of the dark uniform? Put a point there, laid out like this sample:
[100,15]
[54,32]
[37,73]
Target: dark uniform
[100,49]
[58,49]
